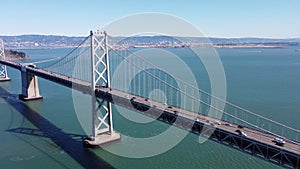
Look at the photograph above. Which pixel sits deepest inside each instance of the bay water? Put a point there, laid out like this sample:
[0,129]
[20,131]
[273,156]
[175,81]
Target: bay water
[47,133]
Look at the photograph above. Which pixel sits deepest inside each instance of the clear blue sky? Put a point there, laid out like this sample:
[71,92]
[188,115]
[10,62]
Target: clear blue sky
[216,18]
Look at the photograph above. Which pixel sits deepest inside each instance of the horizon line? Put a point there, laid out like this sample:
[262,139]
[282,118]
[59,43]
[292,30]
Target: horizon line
[220,37]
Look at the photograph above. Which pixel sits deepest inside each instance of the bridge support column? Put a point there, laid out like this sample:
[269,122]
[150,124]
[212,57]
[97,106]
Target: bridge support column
[30,87]
[3,71]
[102,132]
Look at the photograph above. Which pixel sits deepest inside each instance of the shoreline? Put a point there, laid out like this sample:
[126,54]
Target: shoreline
[160,46]
[247,46]
[13,55]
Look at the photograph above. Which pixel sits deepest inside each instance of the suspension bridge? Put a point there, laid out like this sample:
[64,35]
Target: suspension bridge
[89,67]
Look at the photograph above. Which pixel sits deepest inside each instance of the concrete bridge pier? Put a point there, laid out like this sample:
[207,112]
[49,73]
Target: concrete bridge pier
[30,87]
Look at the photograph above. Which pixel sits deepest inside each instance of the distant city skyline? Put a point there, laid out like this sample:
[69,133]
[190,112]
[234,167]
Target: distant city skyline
[217,18]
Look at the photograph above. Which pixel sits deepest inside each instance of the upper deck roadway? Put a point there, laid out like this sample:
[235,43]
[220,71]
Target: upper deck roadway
[157,108]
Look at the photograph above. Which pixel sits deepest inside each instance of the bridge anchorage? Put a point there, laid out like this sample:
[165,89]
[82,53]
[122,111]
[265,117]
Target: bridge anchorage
[103,131]
[3,70]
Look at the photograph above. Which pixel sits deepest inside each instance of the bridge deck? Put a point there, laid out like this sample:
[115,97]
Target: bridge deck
[256,142]
[260,136]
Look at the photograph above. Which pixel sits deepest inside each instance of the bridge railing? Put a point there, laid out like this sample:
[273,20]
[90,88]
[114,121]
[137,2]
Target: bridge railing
[237,115]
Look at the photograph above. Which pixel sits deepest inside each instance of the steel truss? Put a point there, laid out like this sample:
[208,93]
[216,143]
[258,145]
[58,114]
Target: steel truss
[3,70]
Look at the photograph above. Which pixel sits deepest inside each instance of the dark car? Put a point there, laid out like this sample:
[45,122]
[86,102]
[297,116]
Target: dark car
[176,112]
[240,126]
[30,65]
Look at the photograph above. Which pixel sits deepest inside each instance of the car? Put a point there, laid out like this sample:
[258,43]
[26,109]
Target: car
[279,141]
[176,112]
[228,124]
[240,126]
[244,134]
[217,122]
[30,65]
[241,133]
[170,107]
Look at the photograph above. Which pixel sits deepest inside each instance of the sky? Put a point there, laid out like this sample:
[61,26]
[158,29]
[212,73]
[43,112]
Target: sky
[214,18]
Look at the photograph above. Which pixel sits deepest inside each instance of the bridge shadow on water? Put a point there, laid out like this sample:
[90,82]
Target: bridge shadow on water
[72,144]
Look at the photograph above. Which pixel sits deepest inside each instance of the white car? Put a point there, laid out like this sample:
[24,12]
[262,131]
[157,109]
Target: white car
[241,133]
[244,134]
[279,141]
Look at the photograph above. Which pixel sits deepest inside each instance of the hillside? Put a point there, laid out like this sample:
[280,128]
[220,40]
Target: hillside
[51,41]
[40,41]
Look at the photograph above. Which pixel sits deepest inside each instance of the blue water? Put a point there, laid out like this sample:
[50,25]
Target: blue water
[46,133]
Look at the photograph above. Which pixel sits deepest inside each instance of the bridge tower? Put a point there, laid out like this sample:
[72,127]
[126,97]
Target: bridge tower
[3,70]
[103,131]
